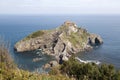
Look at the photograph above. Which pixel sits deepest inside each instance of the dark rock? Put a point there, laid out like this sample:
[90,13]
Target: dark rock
[61,59]
[95,40]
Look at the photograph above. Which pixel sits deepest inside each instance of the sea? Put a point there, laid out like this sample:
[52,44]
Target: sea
[15,27]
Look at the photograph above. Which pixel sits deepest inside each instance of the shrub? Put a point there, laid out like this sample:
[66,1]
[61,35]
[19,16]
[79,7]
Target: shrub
[89,71]
[54,71]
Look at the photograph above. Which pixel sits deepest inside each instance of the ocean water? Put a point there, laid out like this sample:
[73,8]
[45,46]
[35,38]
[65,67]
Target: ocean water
[15,27]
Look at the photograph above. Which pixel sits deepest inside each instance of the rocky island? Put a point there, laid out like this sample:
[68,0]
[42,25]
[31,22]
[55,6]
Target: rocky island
[65,40]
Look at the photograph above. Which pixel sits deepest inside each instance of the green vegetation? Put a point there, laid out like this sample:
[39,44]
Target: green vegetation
[74,39]
[9,71]
[35,34]
[89,71]
[63,28]
[77,39]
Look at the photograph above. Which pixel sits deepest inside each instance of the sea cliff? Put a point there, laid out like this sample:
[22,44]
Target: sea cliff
[65,40]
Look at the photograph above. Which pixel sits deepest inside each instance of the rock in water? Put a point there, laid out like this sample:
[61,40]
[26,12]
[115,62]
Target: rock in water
[50,65]
[66,39]
[95,40]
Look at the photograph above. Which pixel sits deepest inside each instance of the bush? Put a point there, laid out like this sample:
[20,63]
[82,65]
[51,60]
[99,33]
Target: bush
[89,71]
[54,71]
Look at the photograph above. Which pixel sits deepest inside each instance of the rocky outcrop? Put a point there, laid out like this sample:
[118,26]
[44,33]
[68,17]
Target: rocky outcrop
[65,40]
[50,65]
[95,40]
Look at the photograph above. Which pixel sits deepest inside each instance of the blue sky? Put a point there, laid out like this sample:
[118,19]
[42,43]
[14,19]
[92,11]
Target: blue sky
[60,7]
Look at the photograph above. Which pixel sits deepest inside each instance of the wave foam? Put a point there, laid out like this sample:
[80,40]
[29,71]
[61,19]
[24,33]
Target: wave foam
[88,61]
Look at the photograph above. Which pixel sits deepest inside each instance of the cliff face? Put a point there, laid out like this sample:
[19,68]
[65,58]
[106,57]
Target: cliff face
[66,39]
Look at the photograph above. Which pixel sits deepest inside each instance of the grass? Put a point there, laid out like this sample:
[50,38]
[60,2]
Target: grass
[74,39]
[78,40]
[35,34]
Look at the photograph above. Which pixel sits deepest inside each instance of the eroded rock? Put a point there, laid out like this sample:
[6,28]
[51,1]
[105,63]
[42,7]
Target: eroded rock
[95,40]
[67,39]
[50,65]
